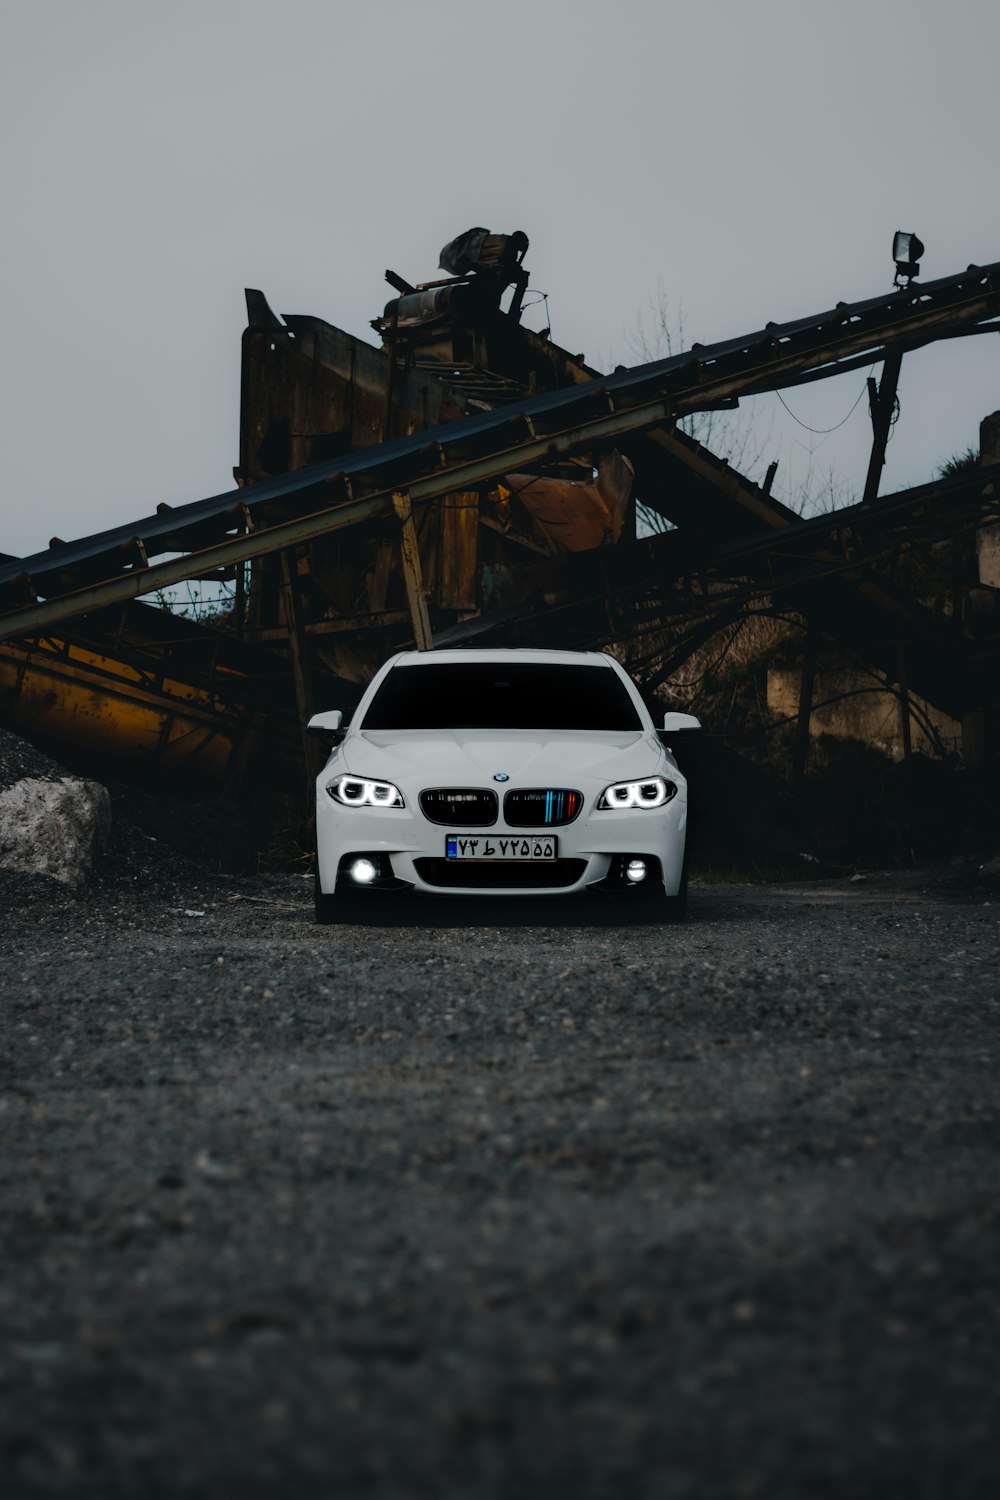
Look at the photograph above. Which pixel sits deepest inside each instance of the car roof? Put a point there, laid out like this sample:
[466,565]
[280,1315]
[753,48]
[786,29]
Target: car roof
[502,653]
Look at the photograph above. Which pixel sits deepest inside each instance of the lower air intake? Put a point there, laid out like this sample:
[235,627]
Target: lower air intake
[504,875]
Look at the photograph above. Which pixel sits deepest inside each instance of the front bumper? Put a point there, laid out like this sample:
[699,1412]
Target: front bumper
[415,849]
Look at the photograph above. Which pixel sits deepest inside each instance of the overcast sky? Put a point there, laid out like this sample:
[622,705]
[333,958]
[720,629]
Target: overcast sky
[752,160]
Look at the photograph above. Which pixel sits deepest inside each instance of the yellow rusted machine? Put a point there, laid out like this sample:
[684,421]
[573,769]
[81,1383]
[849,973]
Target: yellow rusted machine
[154,694]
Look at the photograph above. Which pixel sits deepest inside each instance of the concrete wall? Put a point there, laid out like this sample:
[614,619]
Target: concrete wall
[871,716]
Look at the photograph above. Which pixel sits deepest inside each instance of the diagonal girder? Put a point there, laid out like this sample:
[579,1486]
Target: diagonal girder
[829,568]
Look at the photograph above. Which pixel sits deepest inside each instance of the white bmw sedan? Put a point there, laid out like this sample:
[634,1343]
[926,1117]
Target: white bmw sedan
[500,773]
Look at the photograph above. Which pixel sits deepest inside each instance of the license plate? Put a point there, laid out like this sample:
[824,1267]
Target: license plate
[503,847]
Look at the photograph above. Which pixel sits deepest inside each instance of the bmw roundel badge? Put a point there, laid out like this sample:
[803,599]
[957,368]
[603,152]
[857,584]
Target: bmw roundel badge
[500,776]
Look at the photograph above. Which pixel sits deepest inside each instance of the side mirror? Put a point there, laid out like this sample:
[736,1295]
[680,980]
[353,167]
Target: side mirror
[673,723]
[330,725]
[678,726]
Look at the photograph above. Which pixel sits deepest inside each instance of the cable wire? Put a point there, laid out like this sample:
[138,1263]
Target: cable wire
[822,431]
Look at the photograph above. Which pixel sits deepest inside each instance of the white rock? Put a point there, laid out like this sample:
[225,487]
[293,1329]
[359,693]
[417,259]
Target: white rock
[54,828]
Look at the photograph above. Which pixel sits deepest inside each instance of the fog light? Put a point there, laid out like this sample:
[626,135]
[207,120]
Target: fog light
[363,871]
[635,870]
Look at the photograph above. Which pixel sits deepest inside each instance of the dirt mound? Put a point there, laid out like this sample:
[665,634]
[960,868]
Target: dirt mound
[21,761]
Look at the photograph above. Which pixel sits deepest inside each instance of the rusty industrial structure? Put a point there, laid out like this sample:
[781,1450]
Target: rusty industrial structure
[468,481]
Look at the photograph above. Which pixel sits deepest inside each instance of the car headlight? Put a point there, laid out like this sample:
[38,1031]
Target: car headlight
[357,791]
[656,791]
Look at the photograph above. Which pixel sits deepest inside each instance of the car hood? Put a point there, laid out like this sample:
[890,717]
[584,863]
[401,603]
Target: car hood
[474,756]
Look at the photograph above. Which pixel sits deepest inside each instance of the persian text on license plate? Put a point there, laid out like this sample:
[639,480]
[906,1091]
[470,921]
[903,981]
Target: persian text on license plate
[502,847]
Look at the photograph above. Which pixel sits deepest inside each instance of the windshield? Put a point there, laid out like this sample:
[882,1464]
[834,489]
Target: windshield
[502,695]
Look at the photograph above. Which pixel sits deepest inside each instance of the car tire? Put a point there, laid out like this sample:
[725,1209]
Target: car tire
[669,909]
[329,909]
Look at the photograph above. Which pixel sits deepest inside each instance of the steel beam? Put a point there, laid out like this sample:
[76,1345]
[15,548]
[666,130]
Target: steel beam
[139,581]
[881,403]
[298,652]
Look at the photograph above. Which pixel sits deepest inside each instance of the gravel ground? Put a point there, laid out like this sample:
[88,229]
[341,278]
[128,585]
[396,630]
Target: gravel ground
[493,1204]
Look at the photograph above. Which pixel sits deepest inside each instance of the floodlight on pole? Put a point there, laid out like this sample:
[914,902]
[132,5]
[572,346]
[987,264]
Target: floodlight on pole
[906,252]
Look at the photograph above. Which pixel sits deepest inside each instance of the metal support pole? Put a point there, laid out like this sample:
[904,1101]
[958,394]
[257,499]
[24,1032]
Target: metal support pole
[805,705]
[240,591]
[412,574]
[301,675]
[881,404]
[904,703]
[390,375]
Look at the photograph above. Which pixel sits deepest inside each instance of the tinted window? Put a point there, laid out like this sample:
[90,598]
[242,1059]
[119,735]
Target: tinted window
[502,695]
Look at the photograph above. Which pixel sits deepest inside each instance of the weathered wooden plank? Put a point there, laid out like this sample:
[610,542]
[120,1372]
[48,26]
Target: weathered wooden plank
[412,575]
[458,550]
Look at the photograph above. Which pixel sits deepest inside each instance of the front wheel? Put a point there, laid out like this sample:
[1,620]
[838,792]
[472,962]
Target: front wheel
[329,909]
[669,909]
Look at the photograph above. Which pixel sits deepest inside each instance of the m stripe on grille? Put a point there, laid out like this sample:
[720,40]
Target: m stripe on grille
[541,807]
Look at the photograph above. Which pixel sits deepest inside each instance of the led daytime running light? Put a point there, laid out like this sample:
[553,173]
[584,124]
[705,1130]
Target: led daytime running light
[654,792]
[356,791]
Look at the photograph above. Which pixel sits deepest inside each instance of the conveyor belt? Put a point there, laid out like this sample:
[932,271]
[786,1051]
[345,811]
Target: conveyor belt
[115,565]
